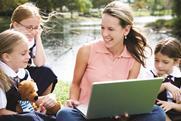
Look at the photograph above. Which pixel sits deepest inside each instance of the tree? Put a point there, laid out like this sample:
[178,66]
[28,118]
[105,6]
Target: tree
[7,6]
[100,3]
[83,5]
[177,12]
[45,6]
[176,8]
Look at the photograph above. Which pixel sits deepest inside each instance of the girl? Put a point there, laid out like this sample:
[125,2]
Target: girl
[27,20]
[167,62]
[14,55]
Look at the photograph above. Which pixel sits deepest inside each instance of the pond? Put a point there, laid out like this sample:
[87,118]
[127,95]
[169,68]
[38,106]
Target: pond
[61,47]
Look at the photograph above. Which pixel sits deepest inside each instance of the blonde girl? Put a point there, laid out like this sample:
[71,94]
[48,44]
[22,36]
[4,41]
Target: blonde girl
[14,57]
[27,20]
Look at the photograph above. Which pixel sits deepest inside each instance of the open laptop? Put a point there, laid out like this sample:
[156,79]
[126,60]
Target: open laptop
[117,97]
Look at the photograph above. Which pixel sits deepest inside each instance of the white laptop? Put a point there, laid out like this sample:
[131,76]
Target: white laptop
[117,97]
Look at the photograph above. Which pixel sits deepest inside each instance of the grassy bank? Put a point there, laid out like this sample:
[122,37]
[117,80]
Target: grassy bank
[62,91]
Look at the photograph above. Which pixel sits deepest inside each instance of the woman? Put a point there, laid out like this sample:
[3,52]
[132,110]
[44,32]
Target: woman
[118,56]
[27,20]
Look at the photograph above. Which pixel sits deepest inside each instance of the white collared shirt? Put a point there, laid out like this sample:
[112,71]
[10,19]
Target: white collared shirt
[11,73]
[3,100]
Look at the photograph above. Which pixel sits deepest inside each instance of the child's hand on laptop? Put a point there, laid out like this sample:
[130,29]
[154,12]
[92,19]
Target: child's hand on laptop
[72,103]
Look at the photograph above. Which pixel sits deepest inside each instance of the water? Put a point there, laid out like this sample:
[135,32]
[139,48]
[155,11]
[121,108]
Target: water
[61,55]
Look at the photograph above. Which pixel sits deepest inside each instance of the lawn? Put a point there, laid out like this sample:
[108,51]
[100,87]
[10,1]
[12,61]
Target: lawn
[62,91]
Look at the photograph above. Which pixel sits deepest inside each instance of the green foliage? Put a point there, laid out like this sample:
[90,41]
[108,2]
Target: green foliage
[83,5]
[177,26]
[176,7]
[177,20]
[45,5]
[155,7]
[4,23]
[10,5]
[62,91]
[141,4]
[161,23]
[100,3]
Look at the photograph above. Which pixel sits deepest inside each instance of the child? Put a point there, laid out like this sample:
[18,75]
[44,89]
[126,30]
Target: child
[167,62]
[14,55]
[27,20]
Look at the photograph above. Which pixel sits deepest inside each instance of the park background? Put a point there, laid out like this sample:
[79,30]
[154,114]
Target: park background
[71,23]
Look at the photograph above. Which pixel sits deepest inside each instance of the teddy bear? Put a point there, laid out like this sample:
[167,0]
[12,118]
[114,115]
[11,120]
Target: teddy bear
[28,96]
[28,93]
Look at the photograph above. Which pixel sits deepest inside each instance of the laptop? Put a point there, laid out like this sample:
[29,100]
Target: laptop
[118,97]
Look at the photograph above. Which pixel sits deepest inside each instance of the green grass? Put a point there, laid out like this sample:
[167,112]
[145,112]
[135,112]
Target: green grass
[62,91]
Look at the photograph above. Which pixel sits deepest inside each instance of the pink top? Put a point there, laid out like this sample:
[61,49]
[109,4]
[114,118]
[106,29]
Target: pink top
[102,66]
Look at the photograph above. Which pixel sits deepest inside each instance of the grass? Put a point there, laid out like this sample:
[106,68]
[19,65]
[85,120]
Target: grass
[62,91]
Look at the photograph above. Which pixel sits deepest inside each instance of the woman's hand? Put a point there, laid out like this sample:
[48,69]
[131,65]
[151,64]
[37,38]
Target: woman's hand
[72,103]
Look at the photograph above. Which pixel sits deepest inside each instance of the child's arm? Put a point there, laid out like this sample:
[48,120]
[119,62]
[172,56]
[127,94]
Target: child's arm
[4,111]
[166,106]
[176,92]
[40,56]
[3,103]
[177,106]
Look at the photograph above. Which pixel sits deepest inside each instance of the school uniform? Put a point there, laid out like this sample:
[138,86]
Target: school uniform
[43,76]
[175,79]
[10,98]
[3,100]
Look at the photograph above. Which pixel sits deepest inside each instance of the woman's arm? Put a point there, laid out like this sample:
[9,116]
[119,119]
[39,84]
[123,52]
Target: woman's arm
[134,70]
[79,70]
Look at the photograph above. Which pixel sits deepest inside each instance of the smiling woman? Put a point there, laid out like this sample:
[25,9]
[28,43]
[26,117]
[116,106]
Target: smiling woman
[118,55]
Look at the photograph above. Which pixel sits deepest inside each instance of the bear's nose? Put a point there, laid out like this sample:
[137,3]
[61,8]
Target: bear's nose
[36,98]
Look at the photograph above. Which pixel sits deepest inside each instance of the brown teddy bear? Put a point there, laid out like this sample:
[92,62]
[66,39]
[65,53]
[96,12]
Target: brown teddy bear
[28,96]
[28,92]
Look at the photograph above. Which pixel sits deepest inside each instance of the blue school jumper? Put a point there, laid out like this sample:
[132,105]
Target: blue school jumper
[43,76]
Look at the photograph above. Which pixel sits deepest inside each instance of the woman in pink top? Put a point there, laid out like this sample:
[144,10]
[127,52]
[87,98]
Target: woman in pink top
[118,56]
